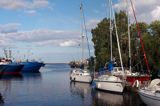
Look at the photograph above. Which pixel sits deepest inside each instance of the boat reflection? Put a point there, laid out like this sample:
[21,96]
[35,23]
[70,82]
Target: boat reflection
[5,90]
[1,100]
[82,90]
[132,98]
[32,76]
[107,99]
[11,76]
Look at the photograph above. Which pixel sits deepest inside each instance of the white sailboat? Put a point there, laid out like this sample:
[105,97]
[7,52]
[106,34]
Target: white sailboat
[131,77]
[109,82]
[151,94]
[82,74]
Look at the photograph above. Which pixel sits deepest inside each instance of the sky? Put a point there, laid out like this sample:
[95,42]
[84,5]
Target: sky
[50,30]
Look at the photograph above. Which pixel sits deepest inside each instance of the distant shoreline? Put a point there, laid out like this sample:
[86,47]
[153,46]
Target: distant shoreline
[56,63]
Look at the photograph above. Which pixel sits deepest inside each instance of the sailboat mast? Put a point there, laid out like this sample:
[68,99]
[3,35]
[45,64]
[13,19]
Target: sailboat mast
[139,35]
[82,33]
[119,50]
[84,23]
[82,45]
[129,36]
[111,28]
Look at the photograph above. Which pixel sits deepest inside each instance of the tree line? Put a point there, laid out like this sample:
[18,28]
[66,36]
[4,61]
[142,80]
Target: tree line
[150,34]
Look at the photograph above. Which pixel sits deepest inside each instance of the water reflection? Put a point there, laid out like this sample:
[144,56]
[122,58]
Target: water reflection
[132,99]
[83,90]
[1,100]
[11,76]
[13,86]
[5,89]
[94,97]
[107,99]
[52,88]
[32,76]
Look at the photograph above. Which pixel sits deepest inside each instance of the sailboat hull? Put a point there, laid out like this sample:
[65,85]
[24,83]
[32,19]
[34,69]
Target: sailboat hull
[150,98]
[110,86]
[79,78]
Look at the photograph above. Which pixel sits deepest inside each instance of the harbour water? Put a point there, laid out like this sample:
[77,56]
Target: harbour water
[52,87]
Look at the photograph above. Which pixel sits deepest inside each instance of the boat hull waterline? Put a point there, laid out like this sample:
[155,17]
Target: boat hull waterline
[11,69]
[77,78]
[31,67]
[150,99]
[115,87]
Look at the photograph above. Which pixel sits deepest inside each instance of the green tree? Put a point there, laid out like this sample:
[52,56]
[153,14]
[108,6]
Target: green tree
[100,38]
[150,34]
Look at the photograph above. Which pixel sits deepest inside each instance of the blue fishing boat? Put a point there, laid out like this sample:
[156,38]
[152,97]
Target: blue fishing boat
[9,67]
[32,66]
[12,68]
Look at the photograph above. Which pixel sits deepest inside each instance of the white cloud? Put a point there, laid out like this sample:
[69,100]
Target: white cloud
[146,11]
[5,42]
[31,12]
[40,3]
[156,13]
[9,28]
[69,43]
[10,34]
[42,35]
[59,42]
[23,4]
[92,24]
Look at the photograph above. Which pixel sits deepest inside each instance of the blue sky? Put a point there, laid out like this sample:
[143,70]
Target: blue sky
[50,30]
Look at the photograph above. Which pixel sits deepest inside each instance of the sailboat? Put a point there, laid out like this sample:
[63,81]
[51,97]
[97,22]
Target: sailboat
[151,94]
[131,77]
[82,74]
[110,82]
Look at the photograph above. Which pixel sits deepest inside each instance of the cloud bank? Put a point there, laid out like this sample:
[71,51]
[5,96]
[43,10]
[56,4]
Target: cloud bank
[146,10]
[10,33]
[23,4]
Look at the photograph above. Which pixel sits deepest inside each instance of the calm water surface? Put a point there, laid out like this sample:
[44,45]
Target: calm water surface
[52,87]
